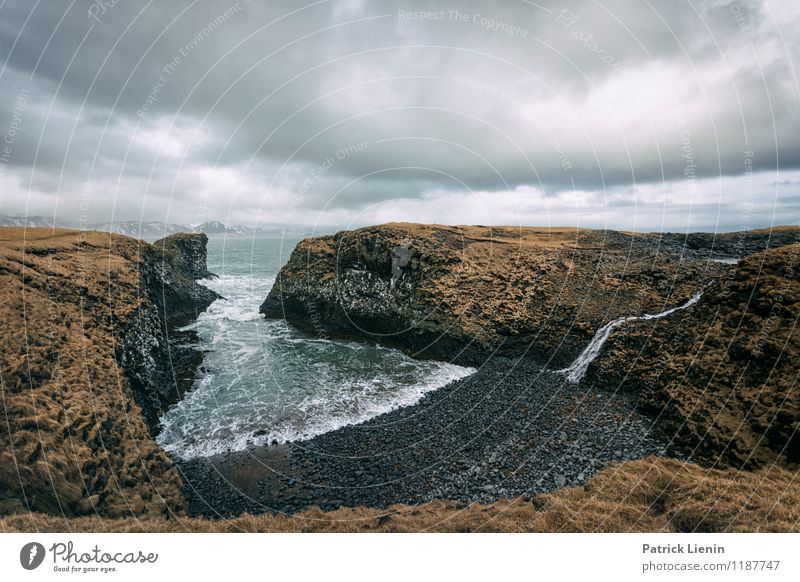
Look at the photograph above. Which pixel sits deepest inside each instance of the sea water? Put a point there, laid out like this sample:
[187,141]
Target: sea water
[263,381]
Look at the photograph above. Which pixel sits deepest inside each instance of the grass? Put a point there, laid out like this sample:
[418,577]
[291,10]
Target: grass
[72,438]
[650,495]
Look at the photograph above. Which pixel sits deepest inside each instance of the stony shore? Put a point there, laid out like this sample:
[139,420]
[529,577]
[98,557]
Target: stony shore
[651,495]
[511,429]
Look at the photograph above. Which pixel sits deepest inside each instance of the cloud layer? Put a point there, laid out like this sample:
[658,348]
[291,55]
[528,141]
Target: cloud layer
[627,114]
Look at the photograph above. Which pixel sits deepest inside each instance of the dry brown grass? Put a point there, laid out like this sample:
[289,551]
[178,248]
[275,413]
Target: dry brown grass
[72,439]
[650,495]
[722,379]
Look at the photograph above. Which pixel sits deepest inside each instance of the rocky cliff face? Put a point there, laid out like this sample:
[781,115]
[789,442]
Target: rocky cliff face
[155,356]
[723,379]
[186,252]
[87,322]
[464,293]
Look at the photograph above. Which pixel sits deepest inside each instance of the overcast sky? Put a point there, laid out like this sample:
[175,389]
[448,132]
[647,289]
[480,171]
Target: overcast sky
[637,114]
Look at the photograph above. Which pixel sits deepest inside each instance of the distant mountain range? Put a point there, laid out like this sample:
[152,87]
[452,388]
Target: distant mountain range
[217,227]
[29,221]
[155,229]
[141,229]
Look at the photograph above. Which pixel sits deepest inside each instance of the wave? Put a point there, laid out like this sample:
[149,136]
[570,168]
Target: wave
[265,381]
[209,423]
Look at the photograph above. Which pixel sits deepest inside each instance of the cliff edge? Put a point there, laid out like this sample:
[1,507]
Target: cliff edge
[466,292]
[87,321]
[719,379]
[722,379]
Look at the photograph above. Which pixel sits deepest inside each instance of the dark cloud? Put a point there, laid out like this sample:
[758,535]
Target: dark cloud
[164,108]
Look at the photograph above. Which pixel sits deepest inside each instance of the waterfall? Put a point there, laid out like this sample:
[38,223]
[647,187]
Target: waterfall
[577,369]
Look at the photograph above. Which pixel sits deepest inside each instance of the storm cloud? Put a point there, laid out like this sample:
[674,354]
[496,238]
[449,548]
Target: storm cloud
[625,114]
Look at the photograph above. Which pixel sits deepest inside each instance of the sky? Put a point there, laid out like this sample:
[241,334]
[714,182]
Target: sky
[626,114]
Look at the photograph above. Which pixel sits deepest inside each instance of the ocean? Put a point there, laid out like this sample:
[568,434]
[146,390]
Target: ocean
[263,381]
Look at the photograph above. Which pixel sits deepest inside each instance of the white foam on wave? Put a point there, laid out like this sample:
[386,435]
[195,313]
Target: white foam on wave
[242,296]
[360,400]
[224,428]
[266,382]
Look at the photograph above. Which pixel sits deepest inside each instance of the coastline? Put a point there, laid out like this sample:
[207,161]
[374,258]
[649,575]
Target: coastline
[482,445]
[467,293]
[651,495]
[511,429]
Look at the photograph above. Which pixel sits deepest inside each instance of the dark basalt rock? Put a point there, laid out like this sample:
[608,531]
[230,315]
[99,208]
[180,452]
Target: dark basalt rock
[158,359]
[187,253]
[514,428]
[468,293]
[721,379]
[506,431]
[708,245]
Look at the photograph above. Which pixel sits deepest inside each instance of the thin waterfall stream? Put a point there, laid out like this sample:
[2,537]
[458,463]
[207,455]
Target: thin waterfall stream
[577,370]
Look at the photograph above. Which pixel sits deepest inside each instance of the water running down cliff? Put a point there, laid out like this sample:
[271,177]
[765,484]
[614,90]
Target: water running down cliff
[576,371]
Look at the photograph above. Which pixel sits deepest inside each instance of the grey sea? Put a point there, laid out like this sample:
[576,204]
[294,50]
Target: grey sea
[263,381]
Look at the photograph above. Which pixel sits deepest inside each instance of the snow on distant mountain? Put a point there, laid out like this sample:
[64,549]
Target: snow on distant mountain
[138,229]
[29,221]
[155,229]
[212,227]
[216,227]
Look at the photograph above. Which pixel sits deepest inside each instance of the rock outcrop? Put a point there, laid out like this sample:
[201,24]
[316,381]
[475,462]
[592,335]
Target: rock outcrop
[722,379]
[90,354]
[156,357]
[464,293]
[714,245]
[187,253]
[87,322]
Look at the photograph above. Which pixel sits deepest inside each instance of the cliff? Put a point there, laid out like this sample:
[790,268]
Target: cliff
[186,252]
[88,343]
[87,321]
[468,292]
[723,379]
[155,356]
[719,378]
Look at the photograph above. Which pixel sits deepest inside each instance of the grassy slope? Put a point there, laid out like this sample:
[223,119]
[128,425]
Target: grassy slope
[73,425]
[723,379]
[72,439]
